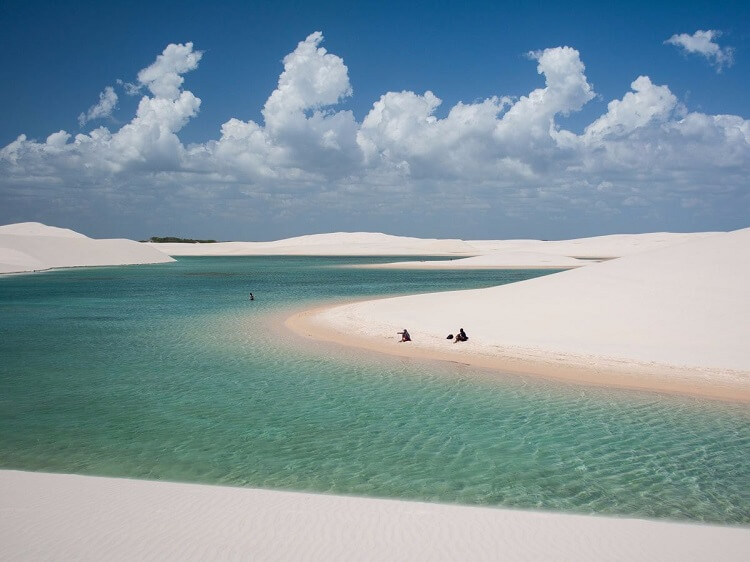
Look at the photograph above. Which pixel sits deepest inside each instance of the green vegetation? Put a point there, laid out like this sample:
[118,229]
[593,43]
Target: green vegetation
[161,239]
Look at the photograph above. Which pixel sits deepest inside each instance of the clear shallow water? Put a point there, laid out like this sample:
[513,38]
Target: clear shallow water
[169,372]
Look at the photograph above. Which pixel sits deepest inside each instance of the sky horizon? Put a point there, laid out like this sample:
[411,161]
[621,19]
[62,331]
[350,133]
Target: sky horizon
[250,121]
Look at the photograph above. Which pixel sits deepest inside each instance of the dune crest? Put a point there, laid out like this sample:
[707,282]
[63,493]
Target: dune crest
[330,244]
[39,229]
[497,253]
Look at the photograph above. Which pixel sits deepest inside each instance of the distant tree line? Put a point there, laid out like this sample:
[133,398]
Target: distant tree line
[162,239]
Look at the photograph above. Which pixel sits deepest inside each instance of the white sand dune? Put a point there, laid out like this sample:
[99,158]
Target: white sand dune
[609,246]
[333,244]
[618,245]
[28,247]
[39,229]
[494,254]
[498,260]
[680,314]
[66,517]
[13,261]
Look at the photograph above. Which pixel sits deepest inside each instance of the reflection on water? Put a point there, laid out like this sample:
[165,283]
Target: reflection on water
[170,372]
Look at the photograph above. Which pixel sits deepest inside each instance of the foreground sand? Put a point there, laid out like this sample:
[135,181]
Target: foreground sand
[64,517]
[673,319]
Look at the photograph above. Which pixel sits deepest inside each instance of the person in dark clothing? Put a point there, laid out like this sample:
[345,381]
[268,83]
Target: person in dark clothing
[404,336]
[461,336]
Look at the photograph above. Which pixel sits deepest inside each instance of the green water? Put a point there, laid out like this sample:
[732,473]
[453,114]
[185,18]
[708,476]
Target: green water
[169,372]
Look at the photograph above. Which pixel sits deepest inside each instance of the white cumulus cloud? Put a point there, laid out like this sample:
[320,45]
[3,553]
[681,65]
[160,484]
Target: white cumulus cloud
[164,77]
[312,78]
[702,43]
[302,137]
[502,158]
[107,103]
[148,141]
[646,104]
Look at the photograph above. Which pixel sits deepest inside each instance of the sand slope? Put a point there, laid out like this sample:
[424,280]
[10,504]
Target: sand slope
[39,229]
[33,247]
[333,244]
[609,246]
[686,305]
[499,260]
[64,517]
[485,254]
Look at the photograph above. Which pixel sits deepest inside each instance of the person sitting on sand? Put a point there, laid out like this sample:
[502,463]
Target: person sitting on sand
[404,336]
[461,336]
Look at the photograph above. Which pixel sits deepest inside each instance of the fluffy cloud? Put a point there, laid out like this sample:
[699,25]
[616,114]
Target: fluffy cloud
[312,79]
[147,142]
[302,140]
[702,43]
[107,103]
[495,138]
[647,104]
[500,157]
[164,77]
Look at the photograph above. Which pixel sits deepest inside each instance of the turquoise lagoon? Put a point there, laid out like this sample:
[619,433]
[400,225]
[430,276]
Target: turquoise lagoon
[169,372]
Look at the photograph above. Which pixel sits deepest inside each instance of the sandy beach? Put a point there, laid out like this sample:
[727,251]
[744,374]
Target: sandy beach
[55,516]
[672,319]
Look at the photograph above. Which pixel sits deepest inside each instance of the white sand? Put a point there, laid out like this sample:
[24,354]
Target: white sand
[677,315]
[39,229]
[28,247]
[559,254]
[498,260]
[610,246]
[333,244]
[65,517]
[483,254]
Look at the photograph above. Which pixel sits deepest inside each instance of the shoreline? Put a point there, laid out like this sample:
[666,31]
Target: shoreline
[587,370]
[448,267]
[68,516]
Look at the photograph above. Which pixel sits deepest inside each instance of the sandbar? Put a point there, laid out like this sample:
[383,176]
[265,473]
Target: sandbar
[673,319]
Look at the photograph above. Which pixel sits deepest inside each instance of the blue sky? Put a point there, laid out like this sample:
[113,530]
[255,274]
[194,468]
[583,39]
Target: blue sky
[523,142]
